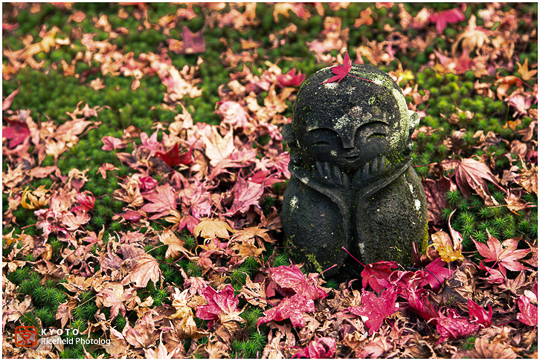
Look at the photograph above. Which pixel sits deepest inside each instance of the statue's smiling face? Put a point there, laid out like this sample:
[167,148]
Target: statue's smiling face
[350,132]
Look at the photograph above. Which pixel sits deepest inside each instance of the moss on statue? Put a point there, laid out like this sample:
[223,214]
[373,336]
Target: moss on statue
[352,183]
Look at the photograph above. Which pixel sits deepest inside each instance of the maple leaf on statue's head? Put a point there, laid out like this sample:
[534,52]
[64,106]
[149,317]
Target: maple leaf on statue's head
[342,71]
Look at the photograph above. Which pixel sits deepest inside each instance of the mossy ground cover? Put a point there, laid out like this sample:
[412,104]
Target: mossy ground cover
[81,72]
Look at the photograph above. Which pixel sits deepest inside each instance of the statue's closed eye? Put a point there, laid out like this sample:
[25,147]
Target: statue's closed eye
[322,136]
[374,128]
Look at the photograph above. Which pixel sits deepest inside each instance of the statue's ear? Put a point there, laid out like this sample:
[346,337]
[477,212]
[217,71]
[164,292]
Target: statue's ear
[414,120]
[288,135]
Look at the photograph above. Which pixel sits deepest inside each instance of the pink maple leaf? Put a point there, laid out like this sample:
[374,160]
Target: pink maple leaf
[374,310]
[377,271]
[147,183]
[188,222]
[437,273]
[342,71]
[105,168]
[448,16]
[193,42]
[521,104]
[86,200]
[130,215]
[246,194]
[454,326]
[112,143]
[321,347]
[504,255]
[221,305]
[150,143]
[291,78]
[292,277]
[528,312]
[478,315]
[233,113]
[163,200]
[291,308]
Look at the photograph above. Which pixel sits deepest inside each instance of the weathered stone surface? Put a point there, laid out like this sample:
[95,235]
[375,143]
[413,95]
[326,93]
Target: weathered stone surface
[352,182]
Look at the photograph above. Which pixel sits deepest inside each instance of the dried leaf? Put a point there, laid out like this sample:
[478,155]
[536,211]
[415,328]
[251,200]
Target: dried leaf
[209,228]
[146,269]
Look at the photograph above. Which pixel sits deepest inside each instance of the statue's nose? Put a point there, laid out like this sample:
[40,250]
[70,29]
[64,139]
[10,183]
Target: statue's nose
[347,139]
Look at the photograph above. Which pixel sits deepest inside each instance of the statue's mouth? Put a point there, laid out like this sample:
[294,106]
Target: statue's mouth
[351,156]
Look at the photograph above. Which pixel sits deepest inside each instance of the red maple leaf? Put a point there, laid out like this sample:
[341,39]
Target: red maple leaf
[290,307]
[18,133]
[163,200]
[528,312]
[173,156]
[420,304]
[321,347]
[377,271]
[342,71]
[246,194]
[473,174]
[374,310]
[222,305]
[436,197]
[291,277]
[291,78]
[447,16]
[437,273]
[504,255]
[478,315]
[454,326]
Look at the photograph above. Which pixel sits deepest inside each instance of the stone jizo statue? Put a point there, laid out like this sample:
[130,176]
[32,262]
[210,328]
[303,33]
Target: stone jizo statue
[352,183]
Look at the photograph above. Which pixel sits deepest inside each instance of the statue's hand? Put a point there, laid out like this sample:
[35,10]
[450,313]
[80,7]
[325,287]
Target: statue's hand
[331,175]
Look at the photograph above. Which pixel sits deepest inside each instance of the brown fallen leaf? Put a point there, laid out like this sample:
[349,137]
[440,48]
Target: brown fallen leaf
[210,228]
[471,173]
[146,269]
[176,245]
[523,69]
[485,349]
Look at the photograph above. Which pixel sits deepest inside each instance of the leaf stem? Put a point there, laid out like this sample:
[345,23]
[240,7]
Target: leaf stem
[349,253]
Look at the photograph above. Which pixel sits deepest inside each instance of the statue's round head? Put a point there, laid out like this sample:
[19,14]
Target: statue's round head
[350,122]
